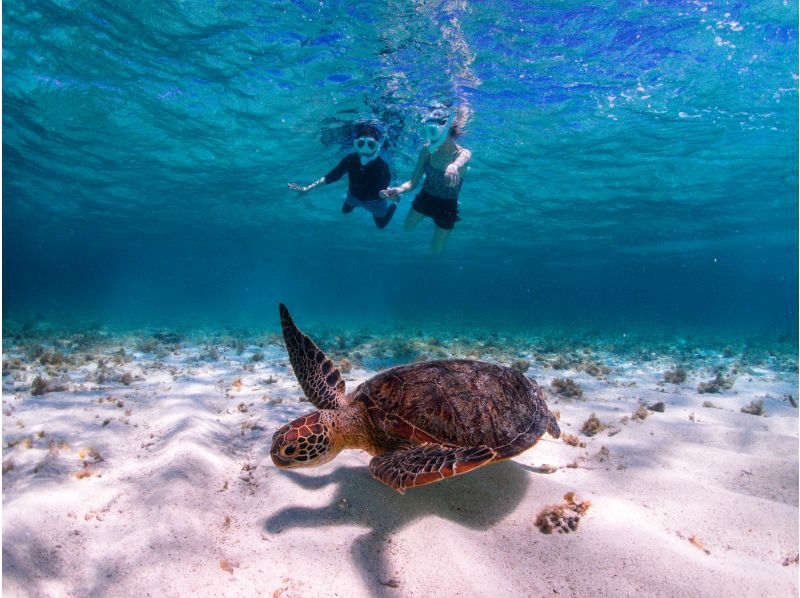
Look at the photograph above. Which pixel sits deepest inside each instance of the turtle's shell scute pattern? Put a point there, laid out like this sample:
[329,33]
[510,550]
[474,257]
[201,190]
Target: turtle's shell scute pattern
[456,402]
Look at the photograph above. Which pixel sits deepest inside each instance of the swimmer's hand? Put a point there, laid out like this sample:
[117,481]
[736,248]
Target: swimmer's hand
[299,188]
[452,176]
[392,194]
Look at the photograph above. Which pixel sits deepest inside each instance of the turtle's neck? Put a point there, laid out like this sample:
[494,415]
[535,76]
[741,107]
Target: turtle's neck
[351,429]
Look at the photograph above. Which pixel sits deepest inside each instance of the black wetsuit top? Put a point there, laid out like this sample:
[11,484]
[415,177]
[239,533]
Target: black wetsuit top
[365,181]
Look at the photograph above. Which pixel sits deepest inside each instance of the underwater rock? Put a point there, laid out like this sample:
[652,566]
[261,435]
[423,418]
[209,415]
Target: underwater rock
[33,352]
[402,349]
[754,408]
[567,387]
[169,338]
[573,440]
[41,386]
[718,384]
[641,413]
[149,345]
[520,365]
[120,356]
[52,358]
[210,354]
[592,426]
[563,518]
[595,370]
[12,364]
[676,376]
[789,560]
[345,365]
[657,407]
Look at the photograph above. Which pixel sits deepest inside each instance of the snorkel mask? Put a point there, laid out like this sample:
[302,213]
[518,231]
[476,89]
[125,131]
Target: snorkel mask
[368,143]
[436,128]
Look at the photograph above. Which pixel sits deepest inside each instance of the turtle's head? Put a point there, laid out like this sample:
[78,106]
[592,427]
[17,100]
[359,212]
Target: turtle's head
[305,442]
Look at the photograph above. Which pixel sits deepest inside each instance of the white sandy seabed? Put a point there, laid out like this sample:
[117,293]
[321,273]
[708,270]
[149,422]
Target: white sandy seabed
[165,487]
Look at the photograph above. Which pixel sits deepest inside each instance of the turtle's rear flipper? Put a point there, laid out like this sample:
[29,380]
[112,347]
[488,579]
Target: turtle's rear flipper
[317,375]
[427,464]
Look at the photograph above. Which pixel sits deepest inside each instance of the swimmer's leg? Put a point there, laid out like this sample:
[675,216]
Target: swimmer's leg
[382,221]
[412,219]
[440,236]
[350,203]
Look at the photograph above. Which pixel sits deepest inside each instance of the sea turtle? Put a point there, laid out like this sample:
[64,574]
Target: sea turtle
[422,422]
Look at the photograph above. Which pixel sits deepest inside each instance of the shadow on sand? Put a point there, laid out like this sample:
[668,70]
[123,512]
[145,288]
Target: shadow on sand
[477,501]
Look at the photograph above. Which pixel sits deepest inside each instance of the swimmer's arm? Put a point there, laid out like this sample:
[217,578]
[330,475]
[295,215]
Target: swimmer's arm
[395,192]
[463,159]
[306,189]
[457,168]
[334,175]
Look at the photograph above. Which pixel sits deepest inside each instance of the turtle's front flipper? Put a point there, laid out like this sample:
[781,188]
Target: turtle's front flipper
[552,427]
[426,464]
[320,380]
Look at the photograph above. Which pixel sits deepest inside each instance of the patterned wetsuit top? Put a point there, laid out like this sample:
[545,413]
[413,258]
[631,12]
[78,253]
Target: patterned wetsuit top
[435,183]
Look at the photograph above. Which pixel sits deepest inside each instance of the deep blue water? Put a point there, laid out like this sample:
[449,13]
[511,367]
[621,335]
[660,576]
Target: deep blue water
[635,163]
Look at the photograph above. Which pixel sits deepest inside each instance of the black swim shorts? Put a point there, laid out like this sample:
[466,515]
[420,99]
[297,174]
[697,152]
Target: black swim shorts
[443,211]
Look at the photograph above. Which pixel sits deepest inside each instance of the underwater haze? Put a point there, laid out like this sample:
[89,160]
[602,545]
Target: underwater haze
[635,164]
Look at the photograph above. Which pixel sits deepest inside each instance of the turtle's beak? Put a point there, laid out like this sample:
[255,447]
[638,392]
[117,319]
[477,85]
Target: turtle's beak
[280,461]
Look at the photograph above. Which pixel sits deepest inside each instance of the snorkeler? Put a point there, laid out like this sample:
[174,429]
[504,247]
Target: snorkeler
[444,163]
[367,172]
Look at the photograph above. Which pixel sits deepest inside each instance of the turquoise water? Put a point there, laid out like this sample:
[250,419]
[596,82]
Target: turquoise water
[635,163]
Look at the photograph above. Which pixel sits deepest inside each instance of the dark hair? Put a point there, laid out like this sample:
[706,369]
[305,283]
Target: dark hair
[367,129]
[459,122]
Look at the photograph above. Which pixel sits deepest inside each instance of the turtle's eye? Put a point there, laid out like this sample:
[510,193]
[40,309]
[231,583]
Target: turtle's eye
[289,450]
